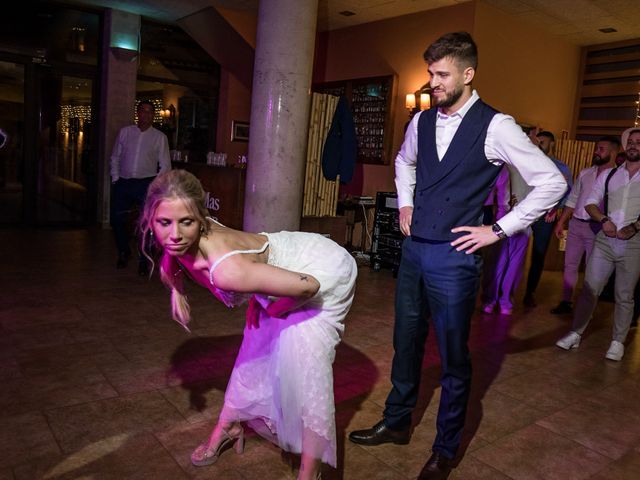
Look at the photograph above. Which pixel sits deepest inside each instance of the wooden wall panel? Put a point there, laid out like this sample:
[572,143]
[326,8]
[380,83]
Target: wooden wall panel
[608,90]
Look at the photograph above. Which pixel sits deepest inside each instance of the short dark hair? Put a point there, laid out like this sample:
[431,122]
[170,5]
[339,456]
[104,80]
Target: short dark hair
[146,102]
[548,134]
[615,141]
[457,45]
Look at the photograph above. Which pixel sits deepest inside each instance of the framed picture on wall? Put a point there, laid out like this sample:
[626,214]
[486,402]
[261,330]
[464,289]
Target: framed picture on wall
[239,131]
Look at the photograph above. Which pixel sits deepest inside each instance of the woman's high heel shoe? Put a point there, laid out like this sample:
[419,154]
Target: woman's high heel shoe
[204,455]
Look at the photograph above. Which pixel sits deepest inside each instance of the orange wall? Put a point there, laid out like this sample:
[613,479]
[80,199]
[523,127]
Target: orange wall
[393,46]
[245,23]
[235,98]
[524,71]
[234,104]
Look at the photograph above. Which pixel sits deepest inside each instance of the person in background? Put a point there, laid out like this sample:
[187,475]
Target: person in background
[512,251]
[139,153]
[543,228]
[614,202]
[581,234]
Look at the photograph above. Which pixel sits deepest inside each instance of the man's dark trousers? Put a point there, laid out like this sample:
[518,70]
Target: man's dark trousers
[126,193]
[434,280]
[542,232]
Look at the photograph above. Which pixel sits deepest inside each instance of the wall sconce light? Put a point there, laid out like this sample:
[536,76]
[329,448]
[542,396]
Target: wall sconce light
[425,101]
[168,115]
[410,101]
[419,100]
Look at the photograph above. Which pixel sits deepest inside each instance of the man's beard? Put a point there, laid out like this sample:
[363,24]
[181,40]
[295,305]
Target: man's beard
[449,99]
[633,157]
[598,160]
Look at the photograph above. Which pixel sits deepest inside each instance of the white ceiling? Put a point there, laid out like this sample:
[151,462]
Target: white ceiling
[577,21]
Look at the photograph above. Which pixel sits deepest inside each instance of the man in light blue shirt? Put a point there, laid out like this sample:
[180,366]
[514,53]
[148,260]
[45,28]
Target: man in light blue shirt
[543,228]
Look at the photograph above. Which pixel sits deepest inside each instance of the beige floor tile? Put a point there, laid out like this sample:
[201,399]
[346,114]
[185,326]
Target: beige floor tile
[120,456]
[626,467]
[542,390]
[538,453]
[622,397]
[497,415]
[471,468]
[25,437]
[50,391]
[79,425]
[608,432]
[360,464]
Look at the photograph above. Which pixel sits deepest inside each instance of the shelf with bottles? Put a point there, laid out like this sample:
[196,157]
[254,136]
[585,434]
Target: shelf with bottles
[371,101]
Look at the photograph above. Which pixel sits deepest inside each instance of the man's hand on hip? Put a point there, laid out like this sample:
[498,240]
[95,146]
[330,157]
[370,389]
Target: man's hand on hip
[477,238]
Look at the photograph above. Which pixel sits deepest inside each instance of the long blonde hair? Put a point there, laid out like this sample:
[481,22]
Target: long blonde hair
[169,185]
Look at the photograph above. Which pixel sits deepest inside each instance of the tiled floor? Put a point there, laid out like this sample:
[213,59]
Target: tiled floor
[98,382]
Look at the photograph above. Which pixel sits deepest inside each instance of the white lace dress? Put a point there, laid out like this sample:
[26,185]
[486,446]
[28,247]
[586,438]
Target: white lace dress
[282,381]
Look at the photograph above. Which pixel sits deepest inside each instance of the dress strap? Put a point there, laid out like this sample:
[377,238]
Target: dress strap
[216,221]
[234,252]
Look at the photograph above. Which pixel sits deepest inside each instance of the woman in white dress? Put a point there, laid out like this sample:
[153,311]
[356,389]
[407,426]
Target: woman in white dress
[299,288]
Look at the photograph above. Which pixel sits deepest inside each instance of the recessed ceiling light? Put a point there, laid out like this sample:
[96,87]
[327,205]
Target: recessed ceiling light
[607,30]
[347,13]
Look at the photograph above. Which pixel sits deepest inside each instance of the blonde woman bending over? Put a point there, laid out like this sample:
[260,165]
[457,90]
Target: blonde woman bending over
[299,288]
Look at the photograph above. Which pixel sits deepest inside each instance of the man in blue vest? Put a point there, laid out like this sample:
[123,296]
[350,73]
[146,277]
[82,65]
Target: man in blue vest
[445,169]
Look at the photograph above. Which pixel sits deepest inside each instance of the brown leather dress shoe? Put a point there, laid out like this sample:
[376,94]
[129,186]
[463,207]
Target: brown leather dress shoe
[379,434]
[437,467]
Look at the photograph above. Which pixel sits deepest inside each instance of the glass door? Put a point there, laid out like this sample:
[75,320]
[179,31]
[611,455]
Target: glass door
[11,142]
[66,158]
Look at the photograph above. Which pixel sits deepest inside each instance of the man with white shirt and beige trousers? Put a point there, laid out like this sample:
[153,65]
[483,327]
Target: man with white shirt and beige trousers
[617,247]
[581,228]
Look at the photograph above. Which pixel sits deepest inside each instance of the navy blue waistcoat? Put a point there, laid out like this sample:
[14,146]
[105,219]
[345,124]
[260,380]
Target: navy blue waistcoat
[451,192]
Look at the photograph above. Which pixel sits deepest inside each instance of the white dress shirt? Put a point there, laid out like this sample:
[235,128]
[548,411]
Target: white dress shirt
[624,196]
[505,143]
[581,190]
[137,154]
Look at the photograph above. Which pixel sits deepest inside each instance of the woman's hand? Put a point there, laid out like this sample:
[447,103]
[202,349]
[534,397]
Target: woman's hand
[253,313]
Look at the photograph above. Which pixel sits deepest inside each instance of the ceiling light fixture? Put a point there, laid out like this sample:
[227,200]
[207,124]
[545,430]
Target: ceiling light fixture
[607,30]
[347,13]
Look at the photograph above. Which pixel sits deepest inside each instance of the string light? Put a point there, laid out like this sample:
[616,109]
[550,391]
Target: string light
[81,112]
[637,121]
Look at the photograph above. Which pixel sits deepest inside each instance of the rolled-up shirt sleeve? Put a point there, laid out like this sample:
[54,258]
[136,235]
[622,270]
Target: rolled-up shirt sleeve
[596,195]
[506,142]
[572,199]
[406,165]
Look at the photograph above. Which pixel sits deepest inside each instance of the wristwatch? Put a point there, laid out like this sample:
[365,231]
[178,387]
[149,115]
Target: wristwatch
[497,229]
[604,220]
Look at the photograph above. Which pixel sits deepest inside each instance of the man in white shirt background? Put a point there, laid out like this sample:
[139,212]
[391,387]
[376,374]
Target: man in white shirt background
[581,234]
[617,247]
[445,170]
[139,153]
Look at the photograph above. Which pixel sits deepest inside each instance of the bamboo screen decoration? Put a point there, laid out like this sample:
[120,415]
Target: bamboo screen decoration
[575,153]
[320,195]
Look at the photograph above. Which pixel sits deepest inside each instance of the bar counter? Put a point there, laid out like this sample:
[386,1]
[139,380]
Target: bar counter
[224,190]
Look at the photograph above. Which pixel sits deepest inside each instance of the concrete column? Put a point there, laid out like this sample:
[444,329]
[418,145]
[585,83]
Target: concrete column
[280,104]
[117,102]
